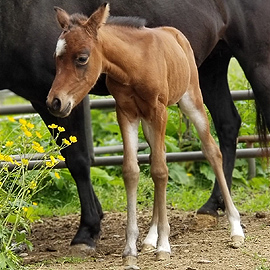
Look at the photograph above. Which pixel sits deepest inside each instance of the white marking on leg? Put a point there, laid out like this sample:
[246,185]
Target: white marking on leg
[235,222]
[163,243]
[152,237]
[131,176]
[187,106]
[60,47]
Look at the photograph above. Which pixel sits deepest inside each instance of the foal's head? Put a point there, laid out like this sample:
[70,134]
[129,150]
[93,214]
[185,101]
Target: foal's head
[78,61]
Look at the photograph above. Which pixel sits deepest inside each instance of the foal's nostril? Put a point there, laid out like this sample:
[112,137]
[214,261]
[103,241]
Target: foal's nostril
[56,105]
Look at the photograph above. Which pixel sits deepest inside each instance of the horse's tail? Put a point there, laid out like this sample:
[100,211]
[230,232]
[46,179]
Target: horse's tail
[262,130]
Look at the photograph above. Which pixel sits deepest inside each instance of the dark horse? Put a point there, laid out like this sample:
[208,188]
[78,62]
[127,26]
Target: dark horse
[216,29]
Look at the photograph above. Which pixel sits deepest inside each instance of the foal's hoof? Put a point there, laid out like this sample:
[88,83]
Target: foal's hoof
[237,241]
[130,262]
[132,267]
[82,250]
[163,256]
[147,248]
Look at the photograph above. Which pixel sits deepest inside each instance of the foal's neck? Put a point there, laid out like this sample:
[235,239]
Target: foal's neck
[120,51]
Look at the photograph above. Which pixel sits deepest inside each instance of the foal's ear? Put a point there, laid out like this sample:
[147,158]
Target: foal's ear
[98,18]
[62,17]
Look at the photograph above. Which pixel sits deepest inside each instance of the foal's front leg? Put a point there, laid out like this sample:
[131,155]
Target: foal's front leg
[129,129]
[154,131]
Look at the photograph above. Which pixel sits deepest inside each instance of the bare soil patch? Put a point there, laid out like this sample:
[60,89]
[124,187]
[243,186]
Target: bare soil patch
[197,243]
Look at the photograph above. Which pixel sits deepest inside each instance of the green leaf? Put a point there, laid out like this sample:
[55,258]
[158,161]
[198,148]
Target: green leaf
[178,174]
[11,218]
[207,171]
[2,261]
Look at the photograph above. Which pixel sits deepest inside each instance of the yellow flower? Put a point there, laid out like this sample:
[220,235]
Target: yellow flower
[26,131]
[17,163]
[53,160]
[67,142]
[41,149]
[38,135]
[61,158]
[33,184]
[25,209]
[36,143]
[9,143]
[25,161]
[8,158]
[30,125]
[36,146]
[189,174]
[22,121]
[1,157]
[35,204]
[57,175]
[49,164]
[73,139]
[11,119]
[61,129]
[28,134]
[53,126]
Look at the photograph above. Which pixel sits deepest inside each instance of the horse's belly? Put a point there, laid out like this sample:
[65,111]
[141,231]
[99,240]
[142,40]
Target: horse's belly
[178,80]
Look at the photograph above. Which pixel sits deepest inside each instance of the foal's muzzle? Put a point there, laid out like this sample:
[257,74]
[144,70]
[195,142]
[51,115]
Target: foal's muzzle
[56,108]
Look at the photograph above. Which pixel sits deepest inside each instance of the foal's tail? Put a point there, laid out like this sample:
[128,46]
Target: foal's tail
[262,130]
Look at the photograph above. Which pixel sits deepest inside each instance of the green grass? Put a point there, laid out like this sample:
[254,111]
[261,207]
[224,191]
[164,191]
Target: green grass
[182,197]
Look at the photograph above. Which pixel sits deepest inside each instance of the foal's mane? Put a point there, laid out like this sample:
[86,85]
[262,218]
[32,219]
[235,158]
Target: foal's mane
[134,22]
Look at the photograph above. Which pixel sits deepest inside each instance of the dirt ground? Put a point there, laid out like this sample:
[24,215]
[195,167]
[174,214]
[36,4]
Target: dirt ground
[195,245]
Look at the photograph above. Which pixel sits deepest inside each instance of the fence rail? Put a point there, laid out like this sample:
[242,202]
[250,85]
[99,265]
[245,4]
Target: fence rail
[106,103]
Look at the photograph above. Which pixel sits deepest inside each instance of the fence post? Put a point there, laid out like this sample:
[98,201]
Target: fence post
[88,128]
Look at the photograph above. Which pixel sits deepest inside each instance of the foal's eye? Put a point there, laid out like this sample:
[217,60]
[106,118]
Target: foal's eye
[82,59]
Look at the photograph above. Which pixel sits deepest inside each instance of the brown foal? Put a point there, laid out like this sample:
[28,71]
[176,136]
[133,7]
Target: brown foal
[147,70]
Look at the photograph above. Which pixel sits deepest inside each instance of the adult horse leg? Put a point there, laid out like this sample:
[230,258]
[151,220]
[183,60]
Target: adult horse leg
[257,73]
[78,162]
[191,106]
[217,97]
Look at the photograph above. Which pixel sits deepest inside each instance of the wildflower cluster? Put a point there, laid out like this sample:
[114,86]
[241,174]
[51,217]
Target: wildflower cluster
[18,185]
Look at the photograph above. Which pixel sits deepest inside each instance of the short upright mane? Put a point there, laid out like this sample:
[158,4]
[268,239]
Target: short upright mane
[135,22]
[77,19]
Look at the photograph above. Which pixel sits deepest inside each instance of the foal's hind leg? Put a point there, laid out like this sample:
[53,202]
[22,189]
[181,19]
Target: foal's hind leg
[192,105]
[226,119]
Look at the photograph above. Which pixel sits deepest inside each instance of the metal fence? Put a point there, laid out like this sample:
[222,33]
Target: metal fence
[35,163]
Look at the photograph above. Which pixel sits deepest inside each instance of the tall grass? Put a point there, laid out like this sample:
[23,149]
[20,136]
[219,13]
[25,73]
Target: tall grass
[19,186]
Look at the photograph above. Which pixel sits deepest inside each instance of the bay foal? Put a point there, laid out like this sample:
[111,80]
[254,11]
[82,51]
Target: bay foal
[147,70]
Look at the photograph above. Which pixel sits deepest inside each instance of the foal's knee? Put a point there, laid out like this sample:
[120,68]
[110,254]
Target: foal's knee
[131,171]
[159,173]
